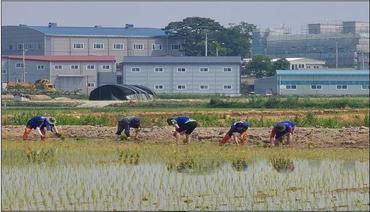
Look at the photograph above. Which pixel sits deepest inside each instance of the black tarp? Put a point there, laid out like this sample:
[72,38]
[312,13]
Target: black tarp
[121,92]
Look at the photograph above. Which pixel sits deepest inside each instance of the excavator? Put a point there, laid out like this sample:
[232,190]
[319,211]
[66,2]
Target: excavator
[42,84]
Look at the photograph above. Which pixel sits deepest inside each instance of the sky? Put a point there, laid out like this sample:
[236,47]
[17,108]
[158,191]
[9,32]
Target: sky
[294,15]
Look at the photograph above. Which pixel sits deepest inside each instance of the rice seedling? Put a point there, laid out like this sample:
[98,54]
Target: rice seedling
[106,176]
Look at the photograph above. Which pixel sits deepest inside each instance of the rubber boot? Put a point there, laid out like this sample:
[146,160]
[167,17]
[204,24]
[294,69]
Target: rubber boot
[26,133]
[224,140]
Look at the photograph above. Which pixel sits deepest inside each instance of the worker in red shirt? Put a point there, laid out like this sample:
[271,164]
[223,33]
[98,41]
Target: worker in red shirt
[280,131]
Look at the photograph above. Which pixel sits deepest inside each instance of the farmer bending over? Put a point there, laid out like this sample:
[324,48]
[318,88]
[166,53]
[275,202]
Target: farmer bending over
[182,124]
[280,131]
[40,123]
[126,123]
[237,127]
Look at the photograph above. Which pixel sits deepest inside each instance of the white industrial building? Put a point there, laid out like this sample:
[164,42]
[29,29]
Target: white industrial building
[216,75]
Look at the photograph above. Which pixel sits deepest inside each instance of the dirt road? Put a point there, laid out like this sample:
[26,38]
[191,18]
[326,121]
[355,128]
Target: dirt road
[355,137]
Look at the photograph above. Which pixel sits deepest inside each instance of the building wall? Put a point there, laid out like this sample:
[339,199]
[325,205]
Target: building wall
[212,81]
[328,85]
[33,72]
[13,36]
[65,46]
[266,85]
[66,78]
[83,79]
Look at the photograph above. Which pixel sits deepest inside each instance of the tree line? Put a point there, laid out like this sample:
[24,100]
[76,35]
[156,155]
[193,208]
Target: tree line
[233,40]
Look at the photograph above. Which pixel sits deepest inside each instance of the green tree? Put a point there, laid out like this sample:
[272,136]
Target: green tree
[260,66]
[281,64]
[192,31]
[231,41]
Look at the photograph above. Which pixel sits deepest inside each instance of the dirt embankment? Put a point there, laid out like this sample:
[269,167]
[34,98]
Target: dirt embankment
[354,137]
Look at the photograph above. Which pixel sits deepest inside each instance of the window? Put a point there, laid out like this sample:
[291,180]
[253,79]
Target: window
[315,66]
[98,46]
[74,67]
[181,70]
[227,69]
[28,46]
[4,71]
[316,87]
[118,46]
[118,66]
[158,69]
[157,46]
[19,65]
[119,79]
[40,67]
[181,87]
[159,87]
[57,67]
[301,66]
[308,66]
[341,87]
[365,87]
[135,69]
[20,46]
[203,69]
[291,87]
[10,47]
[90,84]
[90,67]
[106,67]
[203,87]
[227,87]
[78,45]
[139,46]
[175,46]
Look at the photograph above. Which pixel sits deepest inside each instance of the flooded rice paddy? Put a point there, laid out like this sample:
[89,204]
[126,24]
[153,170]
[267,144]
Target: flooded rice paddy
[166,177]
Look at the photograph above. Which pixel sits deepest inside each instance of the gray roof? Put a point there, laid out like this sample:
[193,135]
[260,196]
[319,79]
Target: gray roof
[181,59]
[99,31]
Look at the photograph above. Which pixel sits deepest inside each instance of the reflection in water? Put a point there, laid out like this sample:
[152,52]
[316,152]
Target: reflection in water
[240,165]
[195,167]
[282,165]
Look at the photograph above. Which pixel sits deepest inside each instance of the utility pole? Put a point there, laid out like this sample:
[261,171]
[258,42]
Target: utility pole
[216,51]
[363,60]
[336,54]
[24,63]
[206,45]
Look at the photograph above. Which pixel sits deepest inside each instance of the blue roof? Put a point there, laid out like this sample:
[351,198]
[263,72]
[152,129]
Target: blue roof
[99,31]
[323,72]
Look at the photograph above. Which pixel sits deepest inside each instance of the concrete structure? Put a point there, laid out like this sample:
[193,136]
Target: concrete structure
[184,74]
[98,40]
[67,73]
[303,63]
[328,82]
[343,46]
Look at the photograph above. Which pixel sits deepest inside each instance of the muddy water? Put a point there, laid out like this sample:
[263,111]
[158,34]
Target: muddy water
[278,184]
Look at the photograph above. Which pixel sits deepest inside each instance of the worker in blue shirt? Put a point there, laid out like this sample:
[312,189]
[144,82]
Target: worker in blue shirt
[183,125]
[126,123]
[39,123]
[281,130]
[238,131]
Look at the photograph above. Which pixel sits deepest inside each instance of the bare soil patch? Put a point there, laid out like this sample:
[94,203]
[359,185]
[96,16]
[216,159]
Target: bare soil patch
[354,137]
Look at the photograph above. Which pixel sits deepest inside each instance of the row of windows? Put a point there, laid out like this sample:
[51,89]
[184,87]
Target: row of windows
[21,46]
[183,87]
[121,46]
[60,67]
[319,87]
[300,66]
[118,46]
[180,69]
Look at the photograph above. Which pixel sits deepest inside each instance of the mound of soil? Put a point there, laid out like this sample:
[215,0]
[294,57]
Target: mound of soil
[355,137]
[40,97]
